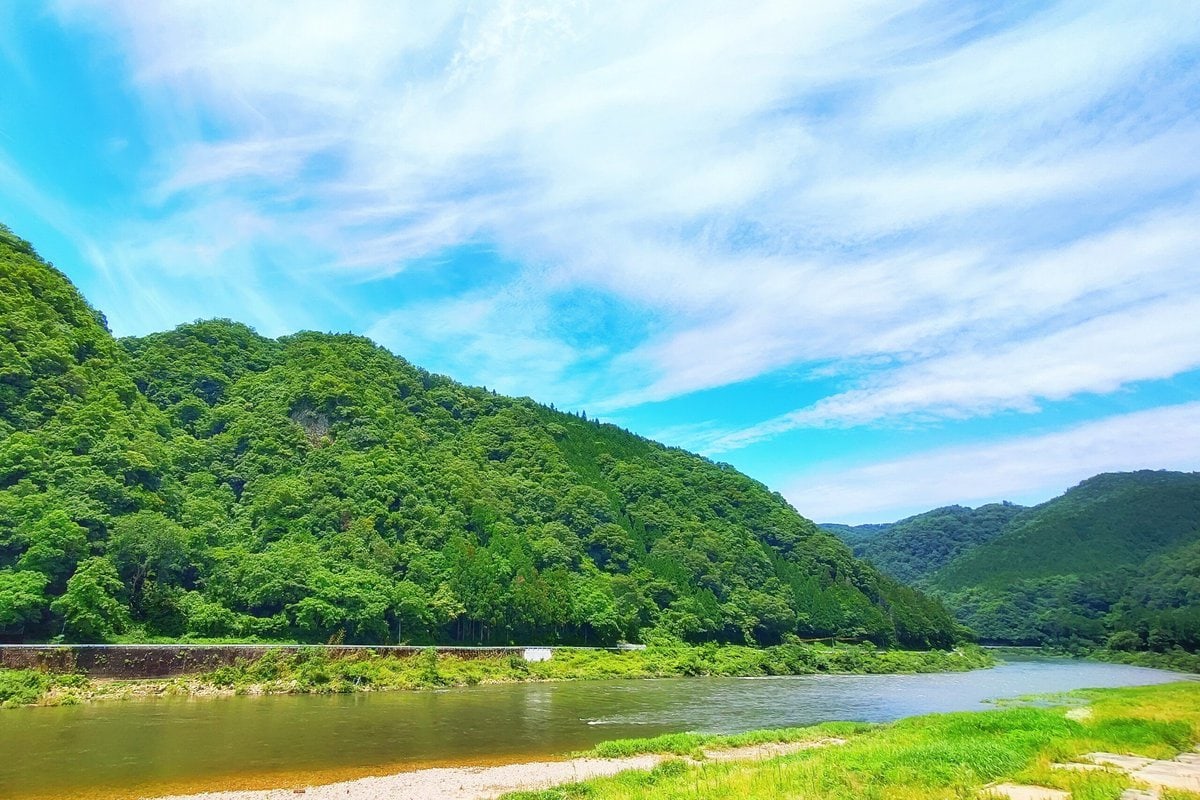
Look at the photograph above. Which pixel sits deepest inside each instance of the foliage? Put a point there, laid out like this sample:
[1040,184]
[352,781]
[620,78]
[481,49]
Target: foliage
[316,670]
[1107,522]
[1113,563]
[89,607]
[22,686]
[1176,659]
[319,670]
[210,482]
[915,548]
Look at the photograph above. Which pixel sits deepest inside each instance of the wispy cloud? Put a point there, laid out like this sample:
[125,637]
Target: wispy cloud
[496,335]
[1025,469]
[1089,318]
[960,208]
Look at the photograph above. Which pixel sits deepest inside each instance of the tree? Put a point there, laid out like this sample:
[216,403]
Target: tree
[89,607]
[56,544]
[147,545]
[22,598]
[1125,640]
[412,610]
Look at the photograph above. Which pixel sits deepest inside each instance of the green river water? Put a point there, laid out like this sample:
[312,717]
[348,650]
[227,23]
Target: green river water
[143,748]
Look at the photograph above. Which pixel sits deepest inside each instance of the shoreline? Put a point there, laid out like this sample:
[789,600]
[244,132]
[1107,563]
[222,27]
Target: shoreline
[488,782]
[318,672]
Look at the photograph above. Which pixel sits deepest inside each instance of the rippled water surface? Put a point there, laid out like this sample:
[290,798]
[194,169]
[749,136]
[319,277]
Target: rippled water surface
[139,748]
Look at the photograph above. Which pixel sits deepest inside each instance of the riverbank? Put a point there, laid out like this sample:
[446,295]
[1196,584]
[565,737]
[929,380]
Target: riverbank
[946,756]
[1175,660]
[317,670]
[478,783]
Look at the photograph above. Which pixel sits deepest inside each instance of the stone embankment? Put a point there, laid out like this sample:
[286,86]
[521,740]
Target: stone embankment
[132,661]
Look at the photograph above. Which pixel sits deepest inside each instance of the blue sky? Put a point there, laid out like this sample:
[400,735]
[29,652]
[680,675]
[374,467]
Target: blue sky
[882,256]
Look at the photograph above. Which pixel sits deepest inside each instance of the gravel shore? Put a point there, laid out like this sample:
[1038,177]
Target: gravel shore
[484,783]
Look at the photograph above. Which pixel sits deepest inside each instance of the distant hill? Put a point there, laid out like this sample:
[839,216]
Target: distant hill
[914,548]
[1115,560]
[854,535]
[1106,522]
[210,482]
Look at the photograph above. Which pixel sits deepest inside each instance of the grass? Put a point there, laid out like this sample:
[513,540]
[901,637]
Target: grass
[1177,660]
[947,756]
[692,744]
[21,687]
[314,670]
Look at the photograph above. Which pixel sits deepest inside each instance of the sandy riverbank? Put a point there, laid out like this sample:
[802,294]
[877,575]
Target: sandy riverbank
[483,783]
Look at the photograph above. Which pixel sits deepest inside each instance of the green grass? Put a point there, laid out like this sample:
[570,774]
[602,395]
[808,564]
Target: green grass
[316,671]
[313,670]
[951,756]
[1178,660]
[21,687]
[692,744]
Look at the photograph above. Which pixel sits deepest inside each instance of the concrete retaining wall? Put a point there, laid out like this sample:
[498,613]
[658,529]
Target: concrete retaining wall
[167,660]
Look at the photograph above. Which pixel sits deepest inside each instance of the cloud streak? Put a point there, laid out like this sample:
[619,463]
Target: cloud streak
[956,209]
[1026,469]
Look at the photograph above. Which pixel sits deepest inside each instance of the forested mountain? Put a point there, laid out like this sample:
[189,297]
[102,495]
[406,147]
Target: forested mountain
[914,548]
[855,535]
[210,482]
[1114,560]
[1079,567]
[1108,521]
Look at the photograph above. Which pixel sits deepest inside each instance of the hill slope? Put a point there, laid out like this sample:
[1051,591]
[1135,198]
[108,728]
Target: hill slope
[1114,560]
[1111,560]
[916,547]
[210,482]
[1108,521]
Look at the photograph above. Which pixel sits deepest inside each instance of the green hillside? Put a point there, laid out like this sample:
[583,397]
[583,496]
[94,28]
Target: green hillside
[1114,561]
[209,482]
[916,547]
[1106,522]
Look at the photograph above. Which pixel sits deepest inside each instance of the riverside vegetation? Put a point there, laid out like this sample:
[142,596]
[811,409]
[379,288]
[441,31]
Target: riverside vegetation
[210,483]
[312,670]
[940,756]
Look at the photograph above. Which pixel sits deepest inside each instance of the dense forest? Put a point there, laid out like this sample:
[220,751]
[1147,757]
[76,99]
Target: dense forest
[1114,561]
[915,548]
[208,482]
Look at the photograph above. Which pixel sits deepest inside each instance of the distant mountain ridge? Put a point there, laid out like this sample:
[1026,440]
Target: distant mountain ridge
[1115,558]
[211,482]
[918,546]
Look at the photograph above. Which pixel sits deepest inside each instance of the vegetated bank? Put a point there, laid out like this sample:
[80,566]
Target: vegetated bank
[209,482]
[1111,568]
[315,671]
[939,756]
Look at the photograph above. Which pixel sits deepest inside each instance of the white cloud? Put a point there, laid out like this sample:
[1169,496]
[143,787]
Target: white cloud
[498,335]
[776,185]
[1107,312]
[1055,66]
[1023,469]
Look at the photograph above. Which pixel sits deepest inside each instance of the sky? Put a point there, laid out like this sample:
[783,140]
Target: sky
[882,256]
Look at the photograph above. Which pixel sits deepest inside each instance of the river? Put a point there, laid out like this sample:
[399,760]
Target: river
[124,749]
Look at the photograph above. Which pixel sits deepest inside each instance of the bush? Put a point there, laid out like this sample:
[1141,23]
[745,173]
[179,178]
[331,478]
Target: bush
[1126,641]
[20,687]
